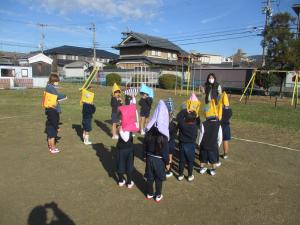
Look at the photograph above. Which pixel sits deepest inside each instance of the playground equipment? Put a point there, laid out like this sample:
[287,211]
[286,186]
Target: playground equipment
[295,90]
[141,75]
[87,96]
[90,78]
[252,82]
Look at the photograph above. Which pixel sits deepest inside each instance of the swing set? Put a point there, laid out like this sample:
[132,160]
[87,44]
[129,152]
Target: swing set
[190,87]
[251,83]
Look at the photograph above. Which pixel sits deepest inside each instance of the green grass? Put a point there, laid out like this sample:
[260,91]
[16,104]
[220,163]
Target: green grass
[284,116]
[80,181]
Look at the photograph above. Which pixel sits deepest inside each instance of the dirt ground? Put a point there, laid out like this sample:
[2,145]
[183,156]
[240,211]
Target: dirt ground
[257,185]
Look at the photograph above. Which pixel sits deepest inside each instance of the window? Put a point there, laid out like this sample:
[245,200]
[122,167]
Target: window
[7,72]
[24,72]
[174,56]
[159,53]
[169,55]
[153,52]
[61,56]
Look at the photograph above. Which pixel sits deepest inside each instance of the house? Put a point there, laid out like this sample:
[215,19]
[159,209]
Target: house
[41,65]
[79,69]
[66,54]
[203,58]
[25,70]
[138,49]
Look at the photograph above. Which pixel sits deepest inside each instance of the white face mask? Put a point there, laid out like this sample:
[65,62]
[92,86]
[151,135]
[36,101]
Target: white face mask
[211,80]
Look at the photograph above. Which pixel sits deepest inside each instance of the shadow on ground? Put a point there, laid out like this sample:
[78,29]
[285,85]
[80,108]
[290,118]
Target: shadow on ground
[78,129]
[108,159]
[104,127]
[49,214]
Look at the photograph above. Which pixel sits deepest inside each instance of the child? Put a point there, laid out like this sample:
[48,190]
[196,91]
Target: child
[225,124]
[115,102]
[125,158]
[51,88]
[156,151]
[210,140]
[87,114]
[187,124]
[172,133]
[52,113]
[145,103]
[52,129]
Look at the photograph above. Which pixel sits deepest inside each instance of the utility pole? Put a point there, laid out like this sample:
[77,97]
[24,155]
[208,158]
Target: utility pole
[296,8]
[268,11]
[42,43]
[93,29]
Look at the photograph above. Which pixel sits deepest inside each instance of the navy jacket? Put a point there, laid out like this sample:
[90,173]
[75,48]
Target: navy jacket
[88,110]
[226,116]
[150,144]
[145,104]
[114,104]
[187,131]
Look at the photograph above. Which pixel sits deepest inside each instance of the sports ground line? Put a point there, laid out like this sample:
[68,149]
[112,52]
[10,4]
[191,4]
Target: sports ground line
[265,143]
[236,138]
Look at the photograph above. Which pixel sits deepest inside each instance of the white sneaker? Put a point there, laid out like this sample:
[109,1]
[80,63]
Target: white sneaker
[87,142]
[212,172]
[191,178]
[116,137]
[218,164]
[169,174]
[225,156]
[180,178]
[202,170]
[54,150]
[121,183]
[159,198]
[142,132]
[149,196]
[130,185]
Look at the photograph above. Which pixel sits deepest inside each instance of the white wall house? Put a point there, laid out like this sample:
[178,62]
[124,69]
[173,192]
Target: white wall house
[77,69]
[289,79]
[32,72]
[15,71]
[212,59]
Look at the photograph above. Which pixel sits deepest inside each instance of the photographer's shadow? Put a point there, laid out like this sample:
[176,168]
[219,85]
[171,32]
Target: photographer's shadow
[49,214]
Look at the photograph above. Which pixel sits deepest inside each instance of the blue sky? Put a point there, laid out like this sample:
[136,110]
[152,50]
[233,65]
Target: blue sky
[192,24]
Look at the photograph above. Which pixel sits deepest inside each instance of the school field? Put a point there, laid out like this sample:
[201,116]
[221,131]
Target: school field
[258,185]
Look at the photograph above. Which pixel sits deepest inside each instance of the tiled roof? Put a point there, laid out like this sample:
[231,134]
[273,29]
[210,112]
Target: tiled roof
[148,40]
[80,51]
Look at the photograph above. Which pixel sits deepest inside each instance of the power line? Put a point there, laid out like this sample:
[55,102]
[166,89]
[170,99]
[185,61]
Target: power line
[222,39]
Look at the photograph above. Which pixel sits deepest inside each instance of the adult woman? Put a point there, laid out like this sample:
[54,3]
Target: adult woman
[213,89]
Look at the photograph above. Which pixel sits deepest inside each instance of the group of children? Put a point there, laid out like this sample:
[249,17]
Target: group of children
[159,143]
[160,134]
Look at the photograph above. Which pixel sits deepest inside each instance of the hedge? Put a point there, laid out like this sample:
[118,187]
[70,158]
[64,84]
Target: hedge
[168,81]
[112,78]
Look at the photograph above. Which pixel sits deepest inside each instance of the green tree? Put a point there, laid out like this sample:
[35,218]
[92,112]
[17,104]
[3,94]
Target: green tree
[113,78]
[239,56]
[295,54]
[278,40]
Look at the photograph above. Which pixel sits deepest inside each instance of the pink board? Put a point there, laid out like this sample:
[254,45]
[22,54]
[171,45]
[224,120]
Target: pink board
[128,115]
